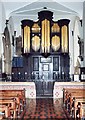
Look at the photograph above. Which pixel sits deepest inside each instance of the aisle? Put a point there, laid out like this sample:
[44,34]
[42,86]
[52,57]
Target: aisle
[45,108]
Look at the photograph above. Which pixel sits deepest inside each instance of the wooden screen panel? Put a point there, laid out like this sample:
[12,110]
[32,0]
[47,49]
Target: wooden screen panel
[35,64]
[17,62]
[55,63]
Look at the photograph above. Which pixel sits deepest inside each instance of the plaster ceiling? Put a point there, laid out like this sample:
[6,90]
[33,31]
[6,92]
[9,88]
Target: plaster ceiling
[27,7]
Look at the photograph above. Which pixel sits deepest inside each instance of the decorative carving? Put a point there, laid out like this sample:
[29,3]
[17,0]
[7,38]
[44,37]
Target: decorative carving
[77,68]
[55,28]
[81,48]
[35,28]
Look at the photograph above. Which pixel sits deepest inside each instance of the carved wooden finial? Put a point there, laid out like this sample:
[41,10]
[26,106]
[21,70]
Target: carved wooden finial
[7,22]
[44,7]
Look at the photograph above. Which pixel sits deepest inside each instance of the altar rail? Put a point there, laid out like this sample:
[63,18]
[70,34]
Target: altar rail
[59,86]
[29,87]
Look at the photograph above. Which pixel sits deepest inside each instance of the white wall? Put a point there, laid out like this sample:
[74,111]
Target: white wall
[76,46]
[71,47]
[2,26]
[84,30]
[11,31]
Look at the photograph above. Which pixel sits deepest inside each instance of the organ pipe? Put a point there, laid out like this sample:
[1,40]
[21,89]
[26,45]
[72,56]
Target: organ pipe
[26,39]
[64,39]
[45,36]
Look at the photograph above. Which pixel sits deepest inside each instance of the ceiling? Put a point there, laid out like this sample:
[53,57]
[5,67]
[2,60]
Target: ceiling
[31,7]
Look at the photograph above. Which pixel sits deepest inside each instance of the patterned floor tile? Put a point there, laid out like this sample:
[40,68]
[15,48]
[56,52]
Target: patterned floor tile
[43,108]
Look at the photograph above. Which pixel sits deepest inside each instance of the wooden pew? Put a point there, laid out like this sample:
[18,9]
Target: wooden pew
[72,98]
[5,111]
[72,93]
[13,92]
[18,105]
[79,108]
[7,97]
[18,94]
[10,105]
[17,98]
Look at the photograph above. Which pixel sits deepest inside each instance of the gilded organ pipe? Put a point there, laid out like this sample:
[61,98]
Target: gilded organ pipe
[64,39]
[45,36]
[26,39]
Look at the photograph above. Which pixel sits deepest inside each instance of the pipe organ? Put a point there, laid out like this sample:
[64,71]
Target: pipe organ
[45,48]
[45,35]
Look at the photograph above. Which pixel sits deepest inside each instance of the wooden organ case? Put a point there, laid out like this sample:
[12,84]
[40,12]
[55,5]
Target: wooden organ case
[45,50]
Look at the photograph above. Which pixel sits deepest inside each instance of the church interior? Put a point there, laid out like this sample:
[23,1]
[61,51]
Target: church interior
[42,59]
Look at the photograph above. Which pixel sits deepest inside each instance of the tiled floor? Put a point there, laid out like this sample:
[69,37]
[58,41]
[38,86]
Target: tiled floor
[44,108]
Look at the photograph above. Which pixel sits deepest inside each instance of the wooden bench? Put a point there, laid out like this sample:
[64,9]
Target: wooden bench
[70,93]
[71,99]
[21,93]
[4,111]
[78,109]
[14,99]
[18,94]
[10,104]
